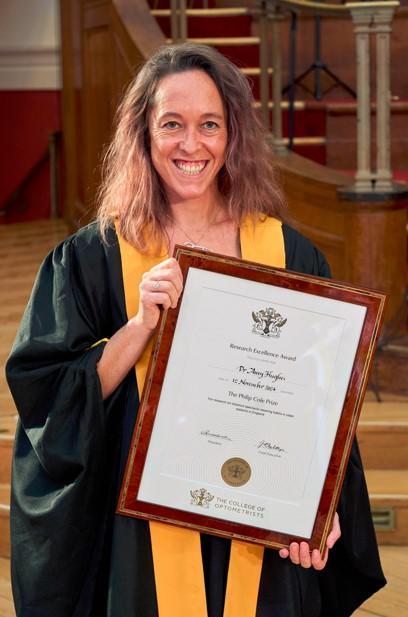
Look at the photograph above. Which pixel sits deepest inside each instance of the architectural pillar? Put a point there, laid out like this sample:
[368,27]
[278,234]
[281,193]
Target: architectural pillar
[277,140]
[382,29]
[264,63]
[361,20]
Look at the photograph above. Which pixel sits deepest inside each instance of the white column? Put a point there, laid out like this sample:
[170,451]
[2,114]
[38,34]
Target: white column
[264,64]
[361,20]
[278,143]
[382,29]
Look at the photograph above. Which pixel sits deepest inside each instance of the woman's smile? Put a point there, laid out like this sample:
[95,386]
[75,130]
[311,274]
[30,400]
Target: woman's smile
[190,168]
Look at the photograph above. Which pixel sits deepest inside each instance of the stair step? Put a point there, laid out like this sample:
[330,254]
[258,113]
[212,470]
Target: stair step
[383,435]
[401,350]
[4,520]
[350,107]
[216,12]
[7,406]
[8,423]
[388,490]
[6,451]
[229,41]
[203,25]
[254,71]
[298,105]
[6,602]
[306,141]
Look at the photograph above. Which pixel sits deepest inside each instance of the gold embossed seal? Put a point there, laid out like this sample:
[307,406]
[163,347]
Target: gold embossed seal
[235,471]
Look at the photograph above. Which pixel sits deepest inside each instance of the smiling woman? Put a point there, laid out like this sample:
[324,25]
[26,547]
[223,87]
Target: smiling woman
[188,140]
[188,115]
[188,164]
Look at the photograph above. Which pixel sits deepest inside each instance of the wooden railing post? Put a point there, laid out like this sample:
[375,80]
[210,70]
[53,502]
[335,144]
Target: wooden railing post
[373,18]
[174,21]
[183,21]
[178,21]
[277,140]
[264,62]
[382,28]
[362,19]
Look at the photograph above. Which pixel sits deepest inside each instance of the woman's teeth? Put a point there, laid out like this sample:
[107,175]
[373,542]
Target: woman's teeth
[192,169]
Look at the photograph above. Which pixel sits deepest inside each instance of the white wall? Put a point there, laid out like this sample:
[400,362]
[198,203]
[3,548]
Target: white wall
[29,45]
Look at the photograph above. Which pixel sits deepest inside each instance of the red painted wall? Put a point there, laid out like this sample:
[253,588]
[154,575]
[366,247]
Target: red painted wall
[26,119]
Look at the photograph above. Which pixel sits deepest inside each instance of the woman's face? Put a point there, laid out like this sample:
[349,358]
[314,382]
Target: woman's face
[188,135]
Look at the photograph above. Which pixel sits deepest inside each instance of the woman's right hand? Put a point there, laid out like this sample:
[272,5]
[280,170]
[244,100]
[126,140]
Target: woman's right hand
[160,286]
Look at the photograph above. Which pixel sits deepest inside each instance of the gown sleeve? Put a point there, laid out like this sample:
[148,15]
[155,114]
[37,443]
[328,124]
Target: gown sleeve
[58,490]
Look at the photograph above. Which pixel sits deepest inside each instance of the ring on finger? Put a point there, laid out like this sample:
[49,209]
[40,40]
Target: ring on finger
[156,285]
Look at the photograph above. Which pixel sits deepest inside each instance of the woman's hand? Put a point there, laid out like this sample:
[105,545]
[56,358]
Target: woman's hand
[160,286]
[300,553]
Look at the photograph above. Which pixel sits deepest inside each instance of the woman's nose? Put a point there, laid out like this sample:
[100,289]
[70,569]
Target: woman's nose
[190,140]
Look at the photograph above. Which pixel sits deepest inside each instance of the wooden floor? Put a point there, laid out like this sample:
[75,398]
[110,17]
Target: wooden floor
[392,601]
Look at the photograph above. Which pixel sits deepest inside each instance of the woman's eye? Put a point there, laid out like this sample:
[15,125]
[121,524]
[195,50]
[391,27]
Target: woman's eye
[210,125]
[171,124]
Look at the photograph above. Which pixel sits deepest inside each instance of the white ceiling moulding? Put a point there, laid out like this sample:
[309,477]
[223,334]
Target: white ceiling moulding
[30,68]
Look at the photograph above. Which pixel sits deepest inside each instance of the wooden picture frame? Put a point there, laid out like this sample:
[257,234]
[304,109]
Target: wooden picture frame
[349,321]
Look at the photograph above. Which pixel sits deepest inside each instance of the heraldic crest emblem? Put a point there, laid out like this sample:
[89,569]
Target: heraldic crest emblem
[268,322]
[201,497]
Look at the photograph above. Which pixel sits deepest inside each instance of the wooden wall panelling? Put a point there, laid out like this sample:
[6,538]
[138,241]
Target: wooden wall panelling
[376,253]
[365,243]
[127,57]
[98,103]
[71,48]
[103,44]
[314,209]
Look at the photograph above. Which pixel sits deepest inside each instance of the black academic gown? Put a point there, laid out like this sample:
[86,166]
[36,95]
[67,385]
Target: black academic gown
[71,555]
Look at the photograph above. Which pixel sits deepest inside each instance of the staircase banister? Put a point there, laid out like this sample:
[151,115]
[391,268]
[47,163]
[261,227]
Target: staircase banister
[309,7]
[327,8]
[376,4]
[141,26]
[312,171]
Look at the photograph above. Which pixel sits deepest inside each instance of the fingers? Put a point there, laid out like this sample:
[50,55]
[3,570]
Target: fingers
[168,270]
[335,533]
[159,292]
[304,553]
[162,285]
[300,553]
[319,562]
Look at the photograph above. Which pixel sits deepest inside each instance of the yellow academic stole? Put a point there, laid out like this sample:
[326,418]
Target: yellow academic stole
[178,567]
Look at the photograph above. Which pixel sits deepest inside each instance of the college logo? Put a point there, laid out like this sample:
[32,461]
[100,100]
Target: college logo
[268,322]
[201,497]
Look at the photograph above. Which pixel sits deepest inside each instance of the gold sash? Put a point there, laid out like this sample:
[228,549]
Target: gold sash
[177,560]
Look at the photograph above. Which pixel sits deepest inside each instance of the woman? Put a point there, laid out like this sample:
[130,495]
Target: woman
[188,164]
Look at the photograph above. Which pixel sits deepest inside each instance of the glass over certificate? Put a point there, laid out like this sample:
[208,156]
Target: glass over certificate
[251,402]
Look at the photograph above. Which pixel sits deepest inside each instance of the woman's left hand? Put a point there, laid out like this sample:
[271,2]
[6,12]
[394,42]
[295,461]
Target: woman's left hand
[300,554]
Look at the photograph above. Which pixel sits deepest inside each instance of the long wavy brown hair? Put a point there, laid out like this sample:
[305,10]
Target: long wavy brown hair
[131,191]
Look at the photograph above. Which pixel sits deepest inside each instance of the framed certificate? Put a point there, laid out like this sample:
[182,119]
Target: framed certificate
[251,402]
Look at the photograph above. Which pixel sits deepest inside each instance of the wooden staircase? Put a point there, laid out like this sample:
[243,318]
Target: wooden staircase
[232,31]
[383,439]
[325,131]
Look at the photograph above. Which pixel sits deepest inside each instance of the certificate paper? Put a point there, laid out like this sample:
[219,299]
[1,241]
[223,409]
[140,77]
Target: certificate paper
[250,403]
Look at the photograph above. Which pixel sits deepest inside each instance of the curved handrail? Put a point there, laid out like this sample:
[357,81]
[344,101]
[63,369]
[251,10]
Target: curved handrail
[327,8]
[142,28]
